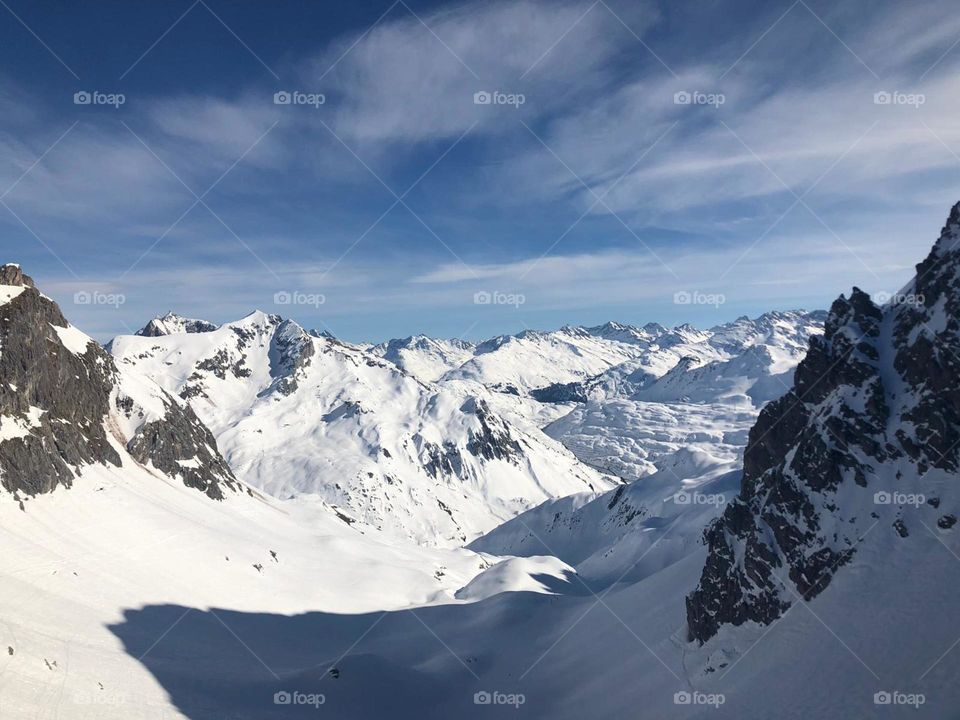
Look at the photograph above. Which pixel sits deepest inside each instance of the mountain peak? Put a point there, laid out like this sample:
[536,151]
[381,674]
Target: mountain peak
[53,430]
[172,323]
[874,409]
[11,274]
[259,317]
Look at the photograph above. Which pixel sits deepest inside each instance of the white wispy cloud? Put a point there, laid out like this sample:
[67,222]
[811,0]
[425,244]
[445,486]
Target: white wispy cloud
[408,80]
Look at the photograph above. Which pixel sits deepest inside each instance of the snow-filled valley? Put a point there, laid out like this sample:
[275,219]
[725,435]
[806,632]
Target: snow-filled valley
[254,520]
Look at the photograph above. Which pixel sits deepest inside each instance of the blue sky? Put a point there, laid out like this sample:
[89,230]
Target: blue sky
[783,182]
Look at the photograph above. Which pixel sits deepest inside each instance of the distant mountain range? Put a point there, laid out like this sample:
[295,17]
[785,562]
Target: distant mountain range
[440,440]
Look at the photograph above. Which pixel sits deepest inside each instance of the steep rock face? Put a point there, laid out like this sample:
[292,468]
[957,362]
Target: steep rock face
[53,398]
[61,396]
[874,409]
[290,353]
[926,335]
[179,444]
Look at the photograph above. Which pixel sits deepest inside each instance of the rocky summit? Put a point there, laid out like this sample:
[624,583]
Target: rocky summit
[65,405]
[871,423]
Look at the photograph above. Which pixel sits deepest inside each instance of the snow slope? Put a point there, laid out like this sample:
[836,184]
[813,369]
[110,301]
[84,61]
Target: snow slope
[619,653]
[124,537]
[629,533]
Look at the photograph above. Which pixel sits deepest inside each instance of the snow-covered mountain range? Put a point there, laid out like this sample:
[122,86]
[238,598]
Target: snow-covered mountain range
[211,517]
[302,416]
[441,440]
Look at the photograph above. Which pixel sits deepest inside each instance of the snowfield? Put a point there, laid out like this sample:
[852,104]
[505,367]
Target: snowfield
[75,561]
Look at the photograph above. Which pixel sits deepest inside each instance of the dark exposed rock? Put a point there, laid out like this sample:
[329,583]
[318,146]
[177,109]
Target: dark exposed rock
[12,275]
[62,397]
[440,461]
[878,390]
[173,323]
[493,441]
[55,403]
[182,445]
[947,521]
[616,497]
[221,363]
[291,351]
[561,393]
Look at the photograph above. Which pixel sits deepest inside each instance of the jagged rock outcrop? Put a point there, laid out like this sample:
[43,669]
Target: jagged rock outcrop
[291,351]
[493,440]
[875,406]
[179,444]
[561,393]
[61,397]
[53,398]
[172,323]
